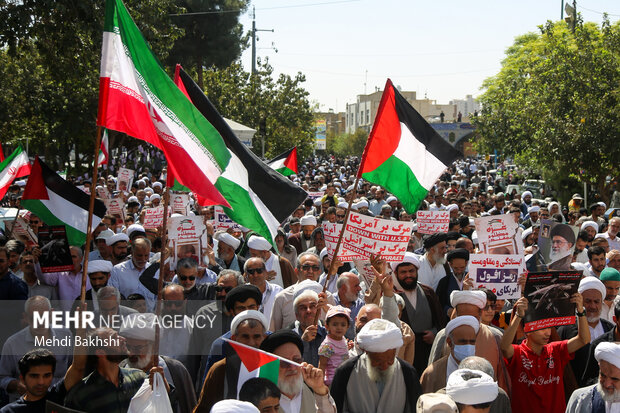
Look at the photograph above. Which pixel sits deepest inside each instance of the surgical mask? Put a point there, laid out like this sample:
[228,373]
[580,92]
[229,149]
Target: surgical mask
[462,351]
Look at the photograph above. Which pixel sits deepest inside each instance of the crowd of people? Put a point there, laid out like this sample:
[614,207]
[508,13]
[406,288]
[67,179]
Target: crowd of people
[415,337]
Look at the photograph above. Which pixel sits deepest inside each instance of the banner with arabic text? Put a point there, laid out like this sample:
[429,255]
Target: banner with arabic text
[432,222]
[498,273]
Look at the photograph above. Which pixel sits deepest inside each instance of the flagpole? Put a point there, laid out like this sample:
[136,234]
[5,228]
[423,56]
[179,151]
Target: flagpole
[332,265]
[262,352]
[91,207]
[162,274]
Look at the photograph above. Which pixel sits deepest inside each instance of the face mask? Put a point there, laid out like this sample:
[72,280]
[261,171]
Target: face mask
[462,351]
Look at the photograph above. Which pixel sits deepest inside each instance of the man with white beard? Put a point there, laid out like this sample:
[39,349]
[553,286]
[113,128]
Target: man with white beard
[604,396]
[139,334]
[377,381]
[562,241]
[303,389]
[432,263]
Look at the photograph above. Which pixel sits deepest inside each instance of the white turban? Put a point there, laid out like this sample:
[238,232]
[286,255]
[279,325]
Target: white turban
[526,233]
[116,238]
[604,205]
[589,224]
[452,207]
[477,298]
[99,266]
[231,405]
[379,335]
[526,193]
[323,254]
[259,243]
[592,283]
[390,199]
[362,204]
[154,197]
[534,208]
[139,326]
[317,202]
[609,352]
[248,315]
[436,403]
[105,234]
[410,258]
[133,199]
[343,205]
[134,228]
[308,220]
[228,239]
[464,320]
[157,185]
[471,387]
[307,285]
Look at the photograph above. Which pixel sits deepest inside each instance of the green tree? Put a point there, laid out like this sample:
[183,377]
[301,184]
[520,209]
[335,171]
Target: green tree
[347,144]
[50,70]
[213,36]
[555,103]
[279,109]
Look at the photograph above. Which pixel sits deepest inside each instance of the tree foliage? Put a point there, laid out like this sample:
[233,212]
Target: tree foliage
[49,66]
[347,144]
[209,39]
[555,102]
[279,109]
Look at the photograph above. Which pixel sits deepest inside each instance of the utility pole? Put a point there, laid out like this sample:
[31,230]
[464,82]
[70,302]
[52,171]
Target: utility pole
[562,11]
[254,30]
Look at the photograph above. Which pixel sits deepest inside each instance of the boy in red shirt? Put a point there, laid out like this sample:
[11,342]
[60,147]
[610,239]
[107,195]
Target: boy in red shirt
[536,366]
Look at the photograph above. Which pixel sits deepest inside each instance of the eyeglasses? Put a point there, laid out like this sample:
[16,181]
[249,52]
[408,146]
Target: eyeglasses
[251,271]
[489,307]
[220,288]
[308,267]
[185,278]
[340,216]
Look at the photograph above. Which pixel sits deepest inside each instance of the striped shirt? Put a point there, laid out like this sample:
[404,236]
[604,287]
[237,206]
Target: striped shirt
[95,394]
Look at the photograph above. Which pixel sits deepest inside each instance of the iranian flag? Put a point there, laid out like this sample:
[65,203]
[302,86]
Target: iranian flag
[103,150]
[260,198]
[57,202]
[404,154]
[137,97]
[254,363]
[285,163]
[15,166]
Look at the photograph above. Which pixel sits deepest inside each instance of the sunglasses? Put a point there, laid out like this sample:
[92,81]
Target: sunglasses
[251,271]
[307,267]
[220,288]
[185,278]
[340,216]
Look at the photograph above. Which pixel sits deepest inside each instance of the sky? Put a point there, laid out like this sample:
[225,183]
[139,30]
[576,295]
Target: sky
[441,49]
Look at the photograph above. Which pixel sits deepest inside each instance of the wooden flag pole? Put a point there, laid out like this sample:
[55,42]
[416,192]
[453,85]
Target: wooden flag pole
[332,265]
[162,274]
[91,207]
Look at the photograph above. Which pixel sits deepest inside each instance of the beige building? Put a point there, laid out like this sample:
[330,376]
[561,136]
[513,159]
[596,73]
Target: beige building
[361,115]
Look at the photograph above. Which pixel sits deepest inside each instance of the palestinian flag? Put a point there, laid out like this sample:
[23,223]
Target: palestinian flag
[57,202]
[137,97]
[253,363]
[103,150]
[15,166]
[285,163]
[260,198]
[404,154]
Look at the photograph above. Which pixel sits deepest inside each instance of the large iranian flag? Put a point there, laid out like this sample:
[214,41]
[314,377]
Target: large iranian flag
[404,154]
[15,166]
[137,97]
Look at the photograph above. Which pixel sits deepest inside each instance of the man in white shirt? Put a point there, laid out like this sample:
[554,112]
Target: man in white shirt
[256,274]
[432,262]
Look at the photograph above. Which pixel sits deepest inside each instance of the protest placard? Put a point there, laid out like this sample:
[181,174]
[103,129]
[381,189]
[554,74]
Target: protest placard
[55,254]
[153,217]
[498,273]
[556,243]
[316,194]
[222,221]
[432,222]
[180,203]
[364,269]
[21,231]
[499,234]
[365,236]
[115,207]
[125,179]
[103,193]
[187,236]
[549,294]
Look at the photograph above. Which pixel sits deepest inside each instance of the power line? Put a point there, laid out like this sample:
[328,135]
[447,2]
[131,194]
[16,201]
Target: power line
[599,12]
[292,6]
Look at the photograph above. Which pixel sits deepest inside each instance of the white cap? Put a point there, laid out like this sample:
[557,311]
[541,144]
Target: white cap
[592,283]
[105,234]
[476,297]
[308,220]
[464,320]
[228,239]
[248,315]
[259,243]
[470,387]
[134,228]
[379,335]
[116,238]
[99,266]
